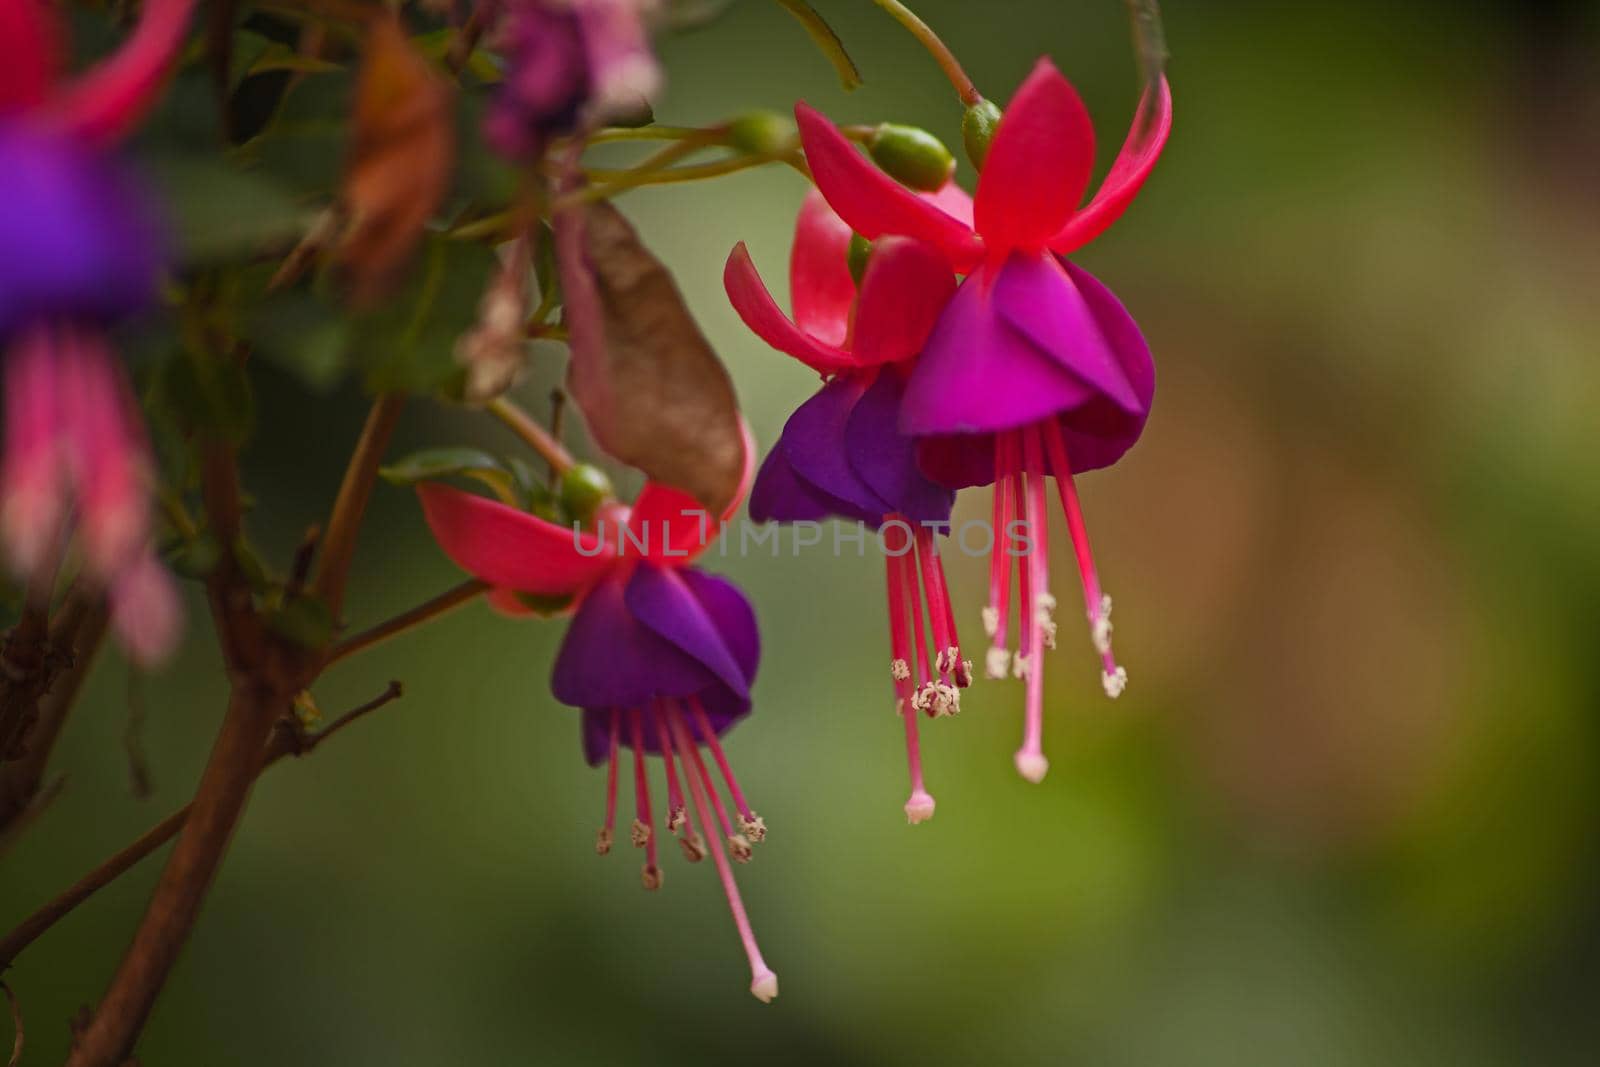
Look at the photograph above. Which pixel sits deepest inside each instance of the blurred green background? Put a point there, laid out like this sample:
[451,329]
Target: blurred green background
[1347,811]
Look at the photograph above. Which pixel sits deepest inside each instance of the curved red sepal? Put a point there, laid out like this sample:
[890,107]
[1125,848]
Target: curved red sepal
[30,53]
[673,525]
[906,286]
[1038,165]
[1151,126]
[871,202]
[105,102]
[821,290]
[761,313]
[510,548]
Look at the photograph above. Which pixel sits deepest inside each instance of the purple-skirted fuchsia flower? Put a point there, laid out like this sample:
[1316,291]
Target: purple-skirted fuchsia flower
[841,453]
[568,61]
[659,655]
[1034,368]
[81,250]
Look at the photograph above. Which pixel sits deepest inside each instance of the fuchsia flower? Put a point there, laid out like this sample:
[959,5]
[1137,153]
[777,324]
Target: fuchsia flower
[841,453]
[567,61]
[82,249]
[1034,368]
[659,655]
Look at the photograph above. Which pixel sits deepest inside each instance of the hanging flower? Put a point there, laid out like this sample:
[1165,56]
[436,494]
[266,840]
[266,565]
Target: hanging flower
[569,61]
[841,454]
[82,249]
[659,655]
[1034,368]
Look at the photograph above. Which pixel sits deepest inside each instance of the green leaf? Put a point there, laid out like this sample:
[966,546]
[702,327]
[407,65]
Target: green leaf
[220,212]
[206,396]
[304,335]
[434,463]
[409,343]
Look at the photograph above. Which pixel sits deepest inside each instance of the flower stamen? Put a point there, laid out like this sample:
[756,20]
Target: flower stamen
[602,841]
[1030,758]
[763,983]
[750,823]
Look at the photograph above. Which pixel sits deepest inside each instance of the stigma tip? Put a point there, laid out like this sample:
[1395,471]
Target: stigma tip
[919,808]
[1033,766]
[765,987]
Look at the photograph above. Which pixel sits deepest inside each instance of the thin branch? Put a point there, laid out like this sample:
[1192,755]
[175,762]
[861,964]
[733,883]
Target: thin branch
[537,437]
[445,602]
[936,47]
[283,742]
[75,637]
[339,546]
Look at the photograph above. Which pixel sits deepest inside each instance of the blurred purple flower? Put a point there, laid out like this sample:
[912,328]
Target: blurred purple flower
[568,61]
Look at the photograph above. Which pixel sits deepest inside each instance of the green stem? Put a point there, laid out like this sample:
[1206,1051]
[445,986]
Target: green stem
[936,47]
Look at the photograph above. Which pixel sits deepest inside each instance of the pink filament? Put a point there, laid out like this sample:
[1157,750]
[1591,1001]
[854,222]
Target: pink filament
[705,776]
[943,625]
[33,491]
[674,793]
[641,785]
[1092,594]
[900,651]
[741,921]
[611,775]
[1037,571]
[709,736]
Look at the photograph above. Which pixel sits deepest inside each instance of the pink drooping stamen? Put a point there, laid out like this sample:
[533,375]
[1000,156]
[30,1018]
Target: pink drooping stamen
[693,845]
[947,646]
[925,675]
[1096,603]
[33,487]
[708,737]
[602,842]
[738,844]
[644,828]
[919,806]
[677,814]
[106,101]
[763,983]
[105,452]
[1030,759]
[997,615]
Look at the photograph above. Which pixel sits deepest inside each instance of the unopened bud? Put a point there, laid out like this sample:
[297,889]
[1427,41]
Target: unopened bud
[977,130]
[760,133]
[911,156]
[584,487]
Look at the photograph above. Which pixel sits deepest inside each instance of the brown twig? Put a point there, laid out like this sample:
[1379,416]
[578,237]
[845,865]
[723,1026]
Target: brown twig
[285,741]
[75,636]
[537,437]
[355,492]
[447,601]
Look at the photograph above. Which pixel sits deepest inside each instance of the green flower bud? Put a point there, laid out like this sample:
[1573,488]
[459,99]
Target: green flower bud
[759,133]
[977,130]
[856,255]
[584,488]
[911,156]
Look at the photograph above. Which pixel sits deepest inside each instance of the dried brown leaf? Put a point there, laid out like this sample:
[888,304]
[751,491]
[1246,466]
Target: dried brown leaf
[654,393]
[400,162]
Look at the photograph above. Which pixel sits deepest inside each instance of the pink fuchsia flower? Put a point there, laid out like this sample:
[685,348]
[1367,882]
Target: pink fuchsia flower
[1034,368]
[841,453]
[82,250]
[569,61]
[659,655]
